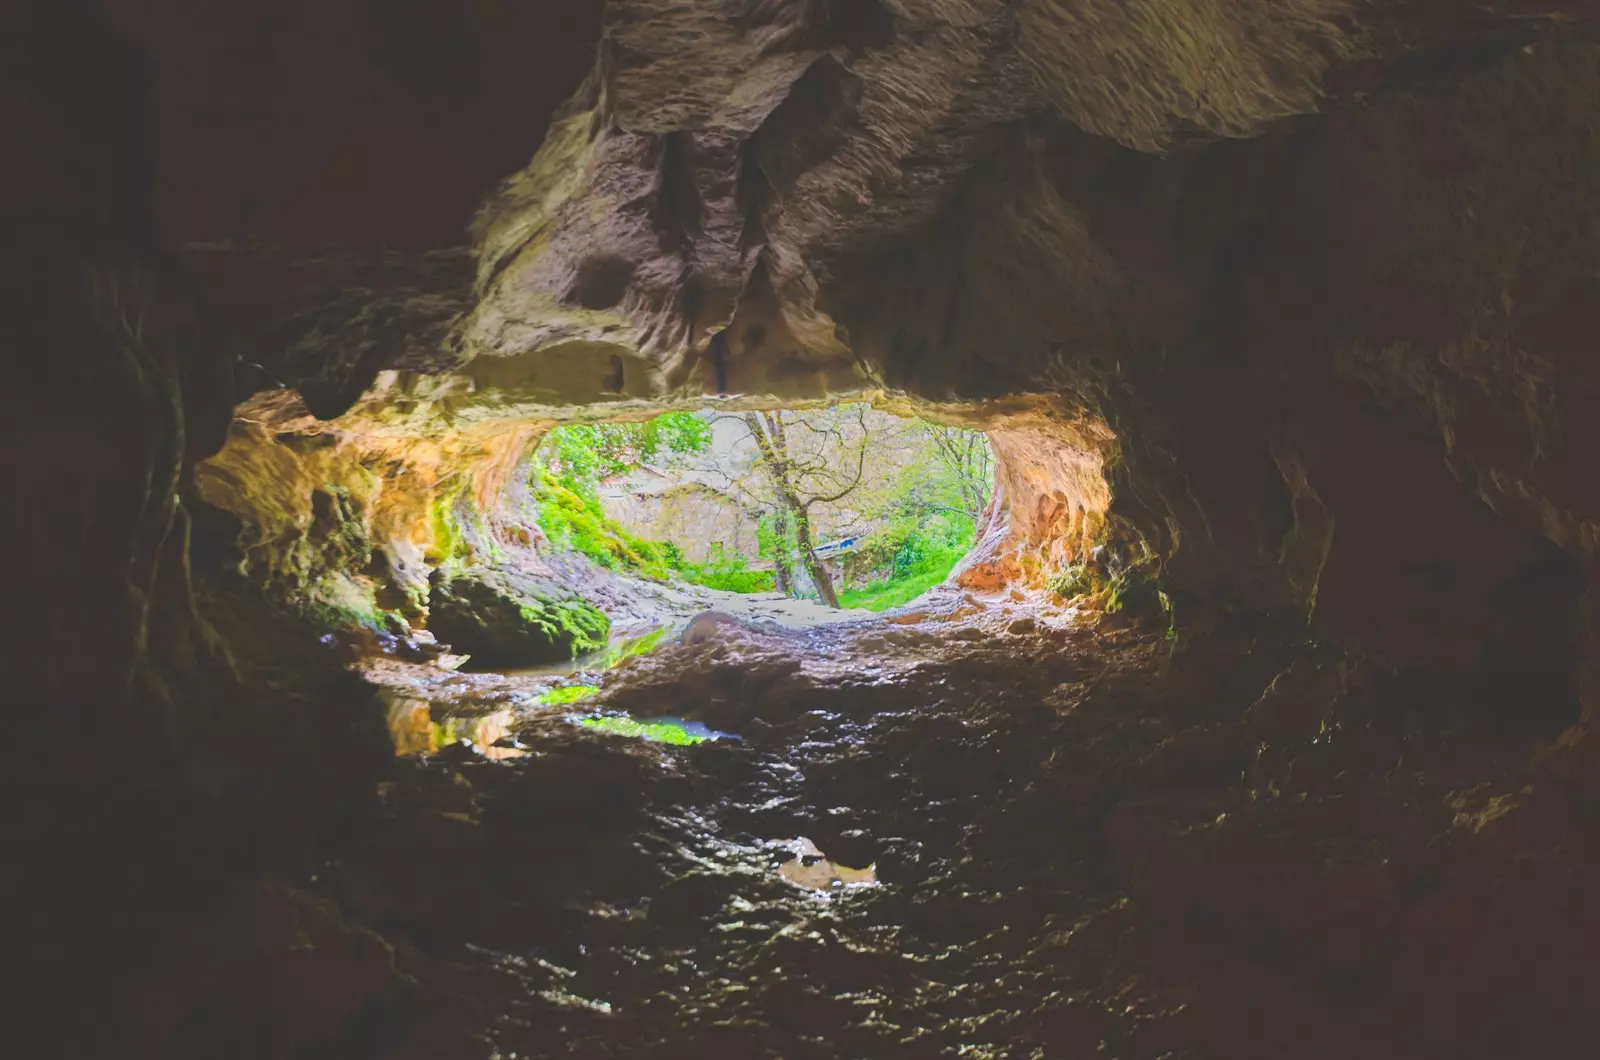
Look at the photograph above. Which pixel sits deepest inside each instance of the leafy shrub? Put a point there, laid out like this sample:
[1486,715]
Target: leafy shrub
[917,556]
[582,455]
[729,572]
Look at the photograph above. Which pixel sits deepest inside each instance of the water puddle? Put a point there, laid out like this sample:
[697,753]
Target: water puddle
[415,732]
[812,870]
[678,731]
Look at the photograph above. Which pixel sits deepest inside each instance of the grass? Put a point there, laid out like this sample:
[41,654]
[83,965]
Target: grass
[923,556]
[881,596]
[729,572]
[657,731]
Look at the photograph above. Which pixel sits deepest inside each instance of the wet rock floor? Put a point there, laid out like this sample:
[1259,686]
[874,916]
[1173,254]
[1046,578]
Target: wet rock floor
[890,860]
[1003,837]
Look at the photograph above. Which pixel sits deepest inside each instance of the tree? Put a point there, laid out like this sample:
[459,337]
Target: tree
[801,479]
[958,475]
[775,541]
[910,491]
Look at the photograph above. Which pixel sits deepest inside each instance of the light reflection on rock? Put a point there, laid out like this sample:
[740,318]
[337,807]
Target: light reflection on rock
[415,732]
[812,870]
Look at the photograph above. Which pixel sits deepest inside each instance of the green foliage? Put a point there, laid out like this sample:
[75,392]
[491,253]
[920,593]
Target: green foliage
[584,454]
[931,509]
[578,523]
[919,555]
[657,731]
[577,458]
[883,595]
[927,510]
[560,697]
[729,572]
[769,543]
[581,624]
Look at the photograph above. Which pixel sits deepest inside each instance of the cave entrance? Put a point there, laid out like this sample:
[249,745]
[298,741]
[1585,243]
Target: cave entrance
[800,512]
[546,536]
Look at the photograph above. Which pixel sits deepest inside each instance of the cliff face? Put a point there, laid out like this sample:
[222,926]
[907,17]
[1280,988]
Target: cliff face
[1293,302]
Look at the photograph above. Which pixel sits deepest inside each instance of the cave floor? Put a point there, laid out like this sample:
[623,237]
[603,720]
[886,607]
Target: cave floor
[636,605]
[994,831]
[886,862]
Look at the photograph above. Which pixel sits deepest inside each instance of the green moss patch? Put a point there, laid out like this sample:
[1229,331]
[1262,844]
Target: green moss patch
[573,521]
[669,732]
[505,621]
[560,697]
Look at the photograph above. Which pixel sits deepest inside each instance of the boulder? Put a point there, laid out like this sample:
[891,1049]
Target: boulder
[505,620]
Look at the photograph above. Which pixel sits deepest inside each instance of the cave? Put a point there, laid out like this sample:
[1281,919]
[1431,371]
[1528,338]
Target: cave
[1257,722]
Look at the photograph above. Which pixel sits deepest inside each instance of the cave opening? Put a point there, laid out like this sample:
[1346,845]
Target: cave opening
[1258,719]
[481,576]
[845,506]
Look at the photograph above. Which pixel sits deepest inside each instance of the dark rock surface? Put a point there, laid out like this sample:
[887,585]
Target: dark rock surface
[1304,290]
[502,620]
[1073,853]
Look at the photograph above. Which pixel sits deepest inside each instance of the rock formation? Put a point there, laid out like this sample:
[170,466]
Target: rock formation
[1282,302]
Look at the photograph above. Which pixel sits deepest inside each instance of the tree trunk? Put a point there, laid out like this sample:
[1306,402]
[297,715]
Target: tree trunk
[774,451]
[814,567]
[782,556]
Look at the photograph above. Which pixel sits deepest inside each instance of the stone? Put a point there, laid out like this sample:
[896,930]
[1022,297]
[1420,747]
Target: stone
[502,621]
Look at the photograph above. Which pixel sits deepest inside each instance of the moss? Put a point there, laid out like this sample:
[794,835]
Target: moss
[1076,580]
[560,697]
[340,603]
[572,522]
[1135,591]
[506,619]
[579,623]
[448,544]
[638,646]
[655,731]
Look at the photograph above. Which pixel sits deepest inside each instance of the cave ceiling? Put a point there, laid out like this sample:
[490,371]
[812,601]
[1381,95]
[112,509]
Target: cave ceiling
[1322,267]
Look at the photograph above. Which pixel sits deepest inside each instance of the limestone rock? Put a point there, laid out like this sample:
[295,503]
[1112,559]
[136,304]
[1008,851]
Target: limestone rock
[503,619]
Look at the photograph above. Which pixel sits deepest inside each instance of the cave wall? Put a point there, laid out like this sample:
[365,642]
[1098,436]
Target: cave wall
[1333,312]
[180,734]
[1324,271]
[1330,296]
[347,516]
